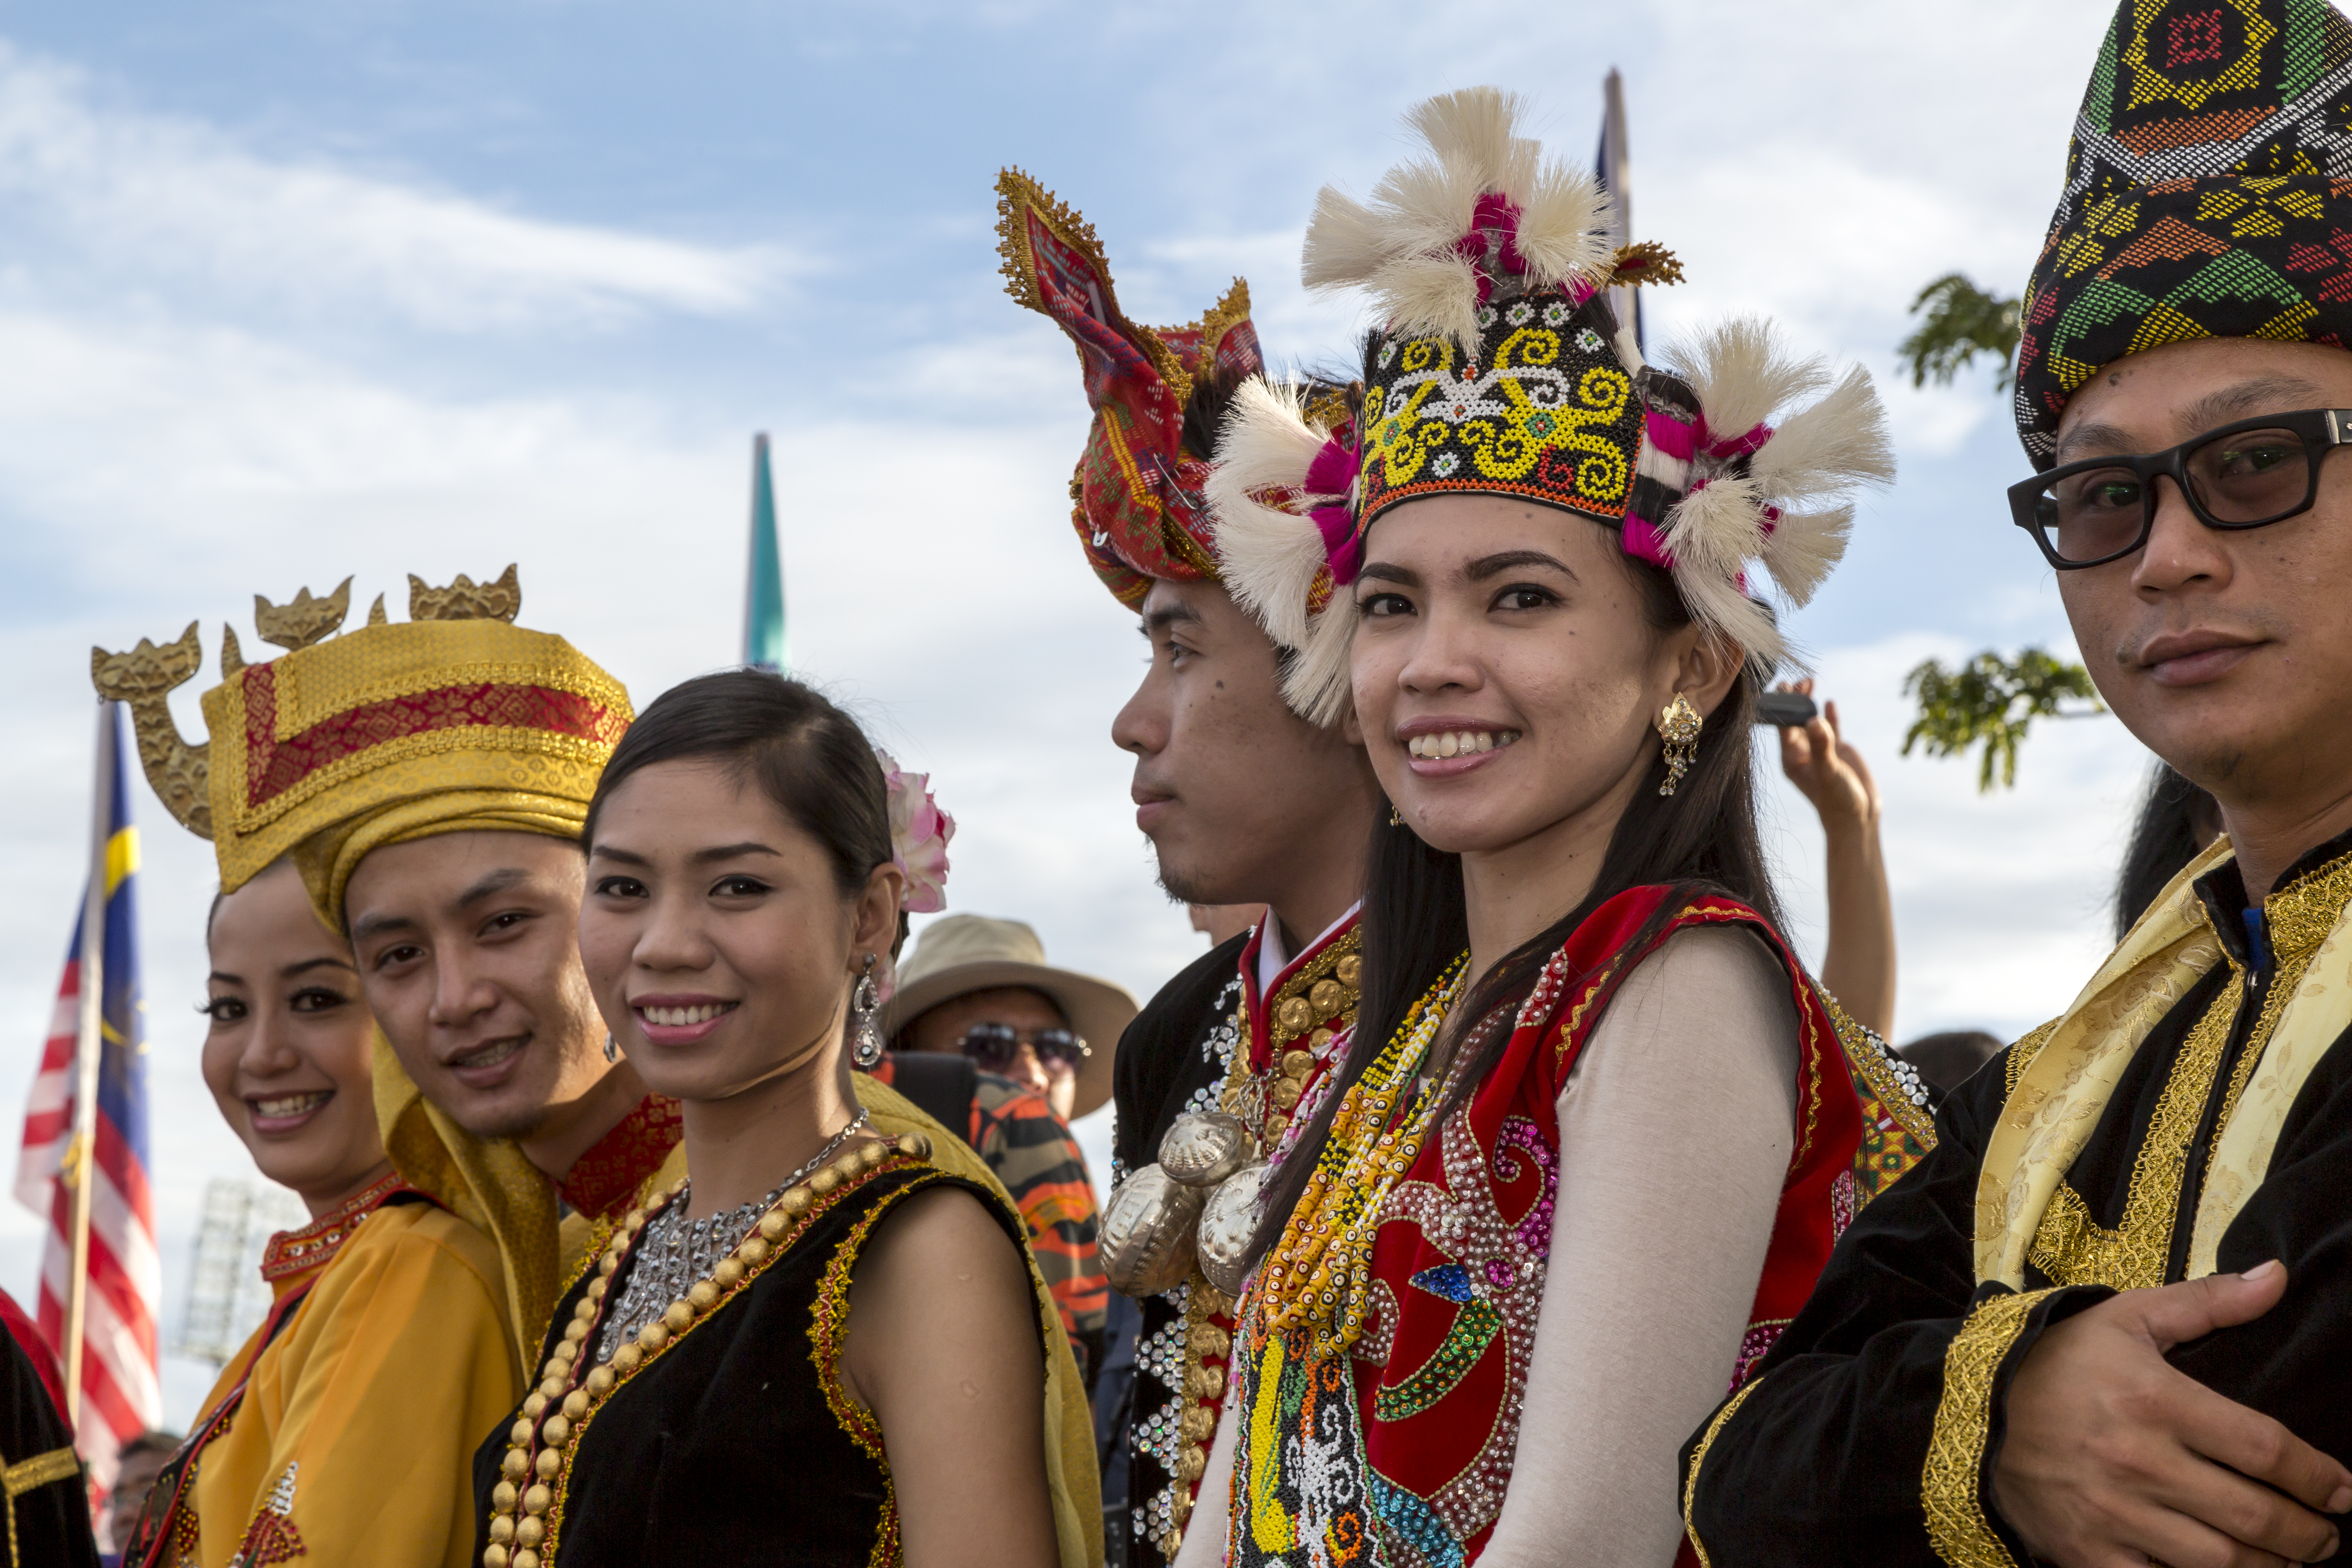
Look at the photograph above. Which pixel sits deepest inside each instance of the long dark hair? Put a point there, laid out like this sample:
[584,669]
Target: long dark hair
[804,753]
[2176,820]
[1701,840]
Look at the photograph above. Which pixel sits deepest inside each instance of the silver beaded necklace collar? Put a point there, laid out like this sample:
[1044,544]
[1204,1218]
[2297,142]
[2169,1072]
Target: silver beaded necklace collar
[672,1254]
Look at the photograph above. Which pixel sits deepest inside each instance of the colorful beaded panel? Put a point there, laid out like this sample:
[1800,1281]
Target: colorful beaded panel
[1898,1117]
[1545,411]
[2212,149]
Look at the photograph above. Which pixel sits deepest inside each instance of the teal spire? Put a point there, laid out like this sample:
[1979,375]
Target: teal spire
[764,604]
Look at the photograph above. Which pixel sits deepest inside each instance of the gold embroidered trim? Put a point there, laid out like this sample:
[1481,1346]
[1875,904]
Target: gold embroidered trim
[559,1484]
[1950,1485]
[2300,916]
[2283,985]
[57,1465]
[828,1331]
[2022,1055]
[2070,1248]
[1699,1456]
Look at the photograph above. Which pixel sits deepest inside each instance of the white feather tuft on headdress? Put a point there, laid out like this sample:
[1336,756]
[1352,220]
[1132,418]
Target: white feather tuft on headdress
[1839,442]
[1743,374]
[1399,247]
[1803,547]
[1270,556]
[1317,686]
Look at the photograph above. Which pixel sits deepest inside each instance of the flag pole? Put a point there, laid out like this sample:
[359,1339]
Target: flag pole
[1617,173]
[81,1153]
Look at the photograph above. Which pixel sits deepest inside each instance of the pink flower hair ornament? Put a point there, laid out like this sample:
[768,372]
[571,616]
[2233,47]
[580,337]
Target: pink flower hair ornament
[919,832]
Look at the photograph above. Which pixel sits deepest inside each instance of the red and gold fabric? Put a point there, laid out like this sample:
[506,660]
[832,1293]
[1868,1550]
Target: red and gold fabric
[343,1431]
[604,1182]
[1139,512]
[1384,1351]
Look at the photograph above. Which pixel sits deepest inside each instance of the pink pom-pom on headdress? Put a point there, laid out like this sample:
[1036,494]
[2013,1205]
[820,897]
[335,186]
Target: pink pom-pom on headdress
[919,832]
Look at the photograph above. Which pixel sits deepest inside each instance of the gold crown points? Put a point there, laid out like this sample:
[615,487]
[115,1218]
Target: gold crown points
[144,678]
[302,620]
[1215,323]
[141,679]
[1647,262]
[465,600]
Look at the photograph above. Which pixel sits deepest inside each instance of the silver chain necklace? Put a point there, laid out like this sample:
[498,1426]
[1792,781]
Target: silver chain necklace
[671,1254]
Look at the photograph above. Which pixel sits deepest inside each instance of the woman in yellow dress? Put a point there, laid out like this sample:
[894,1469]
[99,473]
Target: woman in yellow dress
[342,1430]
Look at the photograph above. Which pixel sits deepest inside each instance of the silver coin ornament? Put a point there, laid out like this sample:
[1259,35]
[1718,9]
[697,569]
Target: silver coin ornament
[1203,1148]
[1147,1243]
[1227,1221]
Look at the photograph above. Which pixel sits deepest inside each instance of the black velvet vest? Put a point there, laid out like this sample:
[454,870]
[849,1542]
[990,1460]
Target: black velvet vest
[737,1443]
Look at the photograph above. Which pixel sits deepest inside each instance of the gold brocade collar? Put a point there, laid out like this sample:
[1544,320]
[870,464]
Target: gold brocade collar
[292,1255]
[2299,916]
[2058,1096]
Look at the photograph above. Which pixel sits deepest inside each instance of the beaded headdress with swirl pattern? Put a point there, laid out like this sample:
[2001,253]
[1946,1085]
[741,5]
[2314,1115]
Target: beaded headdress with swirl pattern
[1499,368]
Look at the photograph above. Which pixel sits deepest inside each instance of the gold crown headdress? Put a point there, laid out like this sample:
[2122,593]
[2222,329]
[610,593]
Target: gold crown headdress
[455,718]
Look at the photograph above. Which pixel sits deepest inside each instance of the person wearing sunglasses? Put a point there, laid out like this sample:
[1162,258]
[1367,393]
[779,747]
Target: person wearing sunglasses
[996,1044]
[2103,1323]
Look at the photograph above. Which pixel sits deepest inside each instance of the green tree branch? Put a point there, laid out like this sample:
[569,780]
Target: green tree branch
[1991,701]
[1961,321]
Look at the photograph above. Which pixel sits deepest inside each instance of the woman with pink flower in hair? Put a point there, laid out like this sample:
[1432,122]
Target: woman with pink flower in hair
[823,1344]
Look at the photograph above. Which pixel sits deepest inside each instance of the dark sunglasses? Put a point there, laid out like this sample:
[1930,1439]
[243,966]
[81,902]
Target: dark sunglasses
[2246,475]
[994,1046]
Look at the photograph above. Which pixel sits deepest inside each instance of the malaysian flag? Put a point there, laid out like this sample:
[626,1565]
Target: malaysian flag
[119,1394]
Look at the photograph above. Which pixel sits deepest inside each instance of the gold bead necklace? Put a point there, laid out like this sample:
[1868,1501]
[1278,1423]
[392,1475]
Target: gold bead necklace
[525,1504]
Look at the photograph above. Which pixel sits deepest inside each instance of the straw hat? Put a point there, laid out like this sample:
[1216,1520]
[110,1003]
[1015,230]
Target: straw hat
[958,955]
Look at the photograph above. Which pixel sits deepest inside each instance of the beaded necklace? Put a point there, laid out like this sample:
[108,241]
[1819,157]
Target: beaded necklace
[675,1253]
[1316,1276]
[526,1504]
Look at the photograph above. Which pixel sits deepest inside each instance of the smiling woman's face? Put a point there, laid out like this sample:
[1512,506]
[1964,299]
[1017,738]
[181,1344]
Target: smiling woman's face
[288,1054]
[1506,676]
[720,950]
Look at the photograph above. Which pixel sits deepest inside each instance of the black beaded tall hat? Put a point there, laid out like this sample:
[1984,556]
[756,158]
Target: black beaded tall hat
[2204,198]
[1499,368]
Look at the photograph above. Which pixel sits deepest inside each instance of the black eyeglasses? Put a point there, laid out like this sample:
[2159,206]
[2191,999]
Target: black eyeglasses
[2246,475]
[994,1046]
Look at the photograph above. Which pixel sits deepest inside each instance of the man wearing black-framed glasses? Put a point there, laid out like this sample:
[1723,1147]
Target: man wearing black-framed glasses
[2106,1320]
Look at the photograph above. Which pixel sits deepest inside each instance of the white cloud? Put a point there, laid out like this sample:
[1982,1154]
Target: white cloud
[145,194]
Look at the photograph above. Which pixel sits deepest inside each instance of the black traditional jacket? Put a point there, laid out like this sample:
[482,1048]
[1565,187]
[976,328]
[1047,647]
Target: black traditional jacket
[46,1500]
[1869,1434]
[1209,1041]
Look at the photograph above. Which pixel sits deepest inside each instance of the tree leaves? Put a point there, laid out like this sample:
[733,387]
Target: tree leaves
[1962,322]
[1991,701]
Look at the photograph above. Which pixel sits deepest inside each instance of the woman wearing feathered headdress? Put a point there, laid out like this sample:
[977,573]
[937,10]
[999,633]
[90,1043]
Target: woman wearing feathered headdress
[1597,1129]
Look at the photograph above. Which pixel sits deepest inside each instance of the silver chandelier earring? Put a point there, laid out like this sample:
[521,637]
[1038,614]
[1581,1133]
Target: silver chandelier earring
[865,1002]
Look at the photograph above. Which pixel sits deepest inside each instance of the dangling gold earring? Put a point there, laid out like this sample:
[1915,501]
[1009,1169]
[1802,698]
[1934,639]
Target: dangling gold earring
[1394,820]
[1678,726]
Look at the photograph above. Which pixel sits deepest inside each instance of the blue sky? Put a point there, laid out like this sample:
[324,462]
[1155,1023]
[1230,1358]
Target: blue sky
[292,291]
